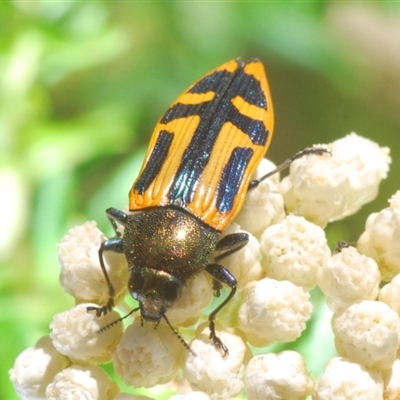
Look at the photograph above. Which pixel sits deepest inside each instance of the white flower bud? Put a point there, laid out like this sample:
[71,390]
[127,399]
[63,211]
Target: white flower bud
[146,356]
[208,371]
[381,239]
[347,278]
[278,376]
[264,204]
[329,188]
[273,311]
[81,275]
[294,250]
[264,167]
[75,334]
[343,379]
[368,333]
[390,294]
[35,368]
[77,382]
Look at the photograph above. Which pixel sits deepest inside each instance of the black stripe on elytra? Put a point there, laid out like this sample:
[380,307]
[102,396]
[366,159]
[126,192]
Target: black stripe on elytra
[250,90]
[155,162]
[231,177]
[213,115]
[242,85]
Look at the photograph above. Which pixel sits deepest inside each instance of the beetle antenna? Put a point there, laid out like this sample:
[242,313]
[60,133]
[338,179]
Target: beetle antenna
[181,339]
[117,321]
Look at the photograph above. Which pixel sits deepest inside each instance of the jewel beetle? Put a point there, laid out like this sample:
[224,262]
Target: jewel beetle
[192,184]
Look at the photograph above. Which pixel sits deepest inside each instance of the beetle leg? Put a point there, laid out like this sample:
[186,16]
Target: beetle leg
[115,216]
[231,244]
[221,275]
[319,151]
[113,244]
[216,286]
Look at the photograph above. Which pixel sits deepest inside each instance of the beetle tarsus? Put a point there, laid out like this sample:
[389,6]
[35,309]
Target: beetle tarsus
[217,342]
[102,310]
[217,287]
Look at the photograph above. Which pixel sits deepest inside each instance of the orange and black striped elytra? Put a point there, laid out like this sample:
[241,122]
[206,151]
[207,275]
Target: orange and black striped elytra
[192,184]
[206,146]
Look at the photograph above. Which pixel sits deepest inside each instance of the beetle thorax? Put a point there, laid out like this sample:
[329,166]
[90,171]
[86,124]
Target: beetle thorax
[164,247]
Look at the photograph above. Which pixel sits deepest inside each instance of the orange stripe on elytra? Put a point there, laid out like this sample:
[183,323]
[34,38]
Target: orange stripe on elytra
[249,110]
[230,66]
[195,98]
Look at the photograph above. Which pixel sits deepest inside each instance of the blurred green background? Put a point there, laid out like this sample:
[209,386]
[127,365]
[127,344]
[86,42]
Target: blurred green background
[82,85]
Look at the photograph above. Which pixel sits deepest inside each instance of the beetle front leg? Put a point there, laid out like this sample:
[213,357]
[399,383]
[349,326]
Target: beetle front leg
[222,275]
[113,244]
[231,244]
[115,216]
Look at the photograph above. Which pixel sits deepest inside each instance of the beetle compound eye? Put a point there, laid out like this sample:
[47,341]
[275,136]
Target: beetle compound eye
[136,283]
[172,291]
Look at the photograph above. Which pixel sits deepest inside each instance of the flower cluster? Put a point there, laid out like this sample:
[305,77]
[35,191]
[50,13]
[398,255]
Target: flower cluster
[287,256]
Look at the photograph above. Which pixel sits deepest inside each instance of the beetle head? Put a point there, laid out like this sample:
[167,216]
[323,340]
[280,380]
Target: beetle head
[155,291]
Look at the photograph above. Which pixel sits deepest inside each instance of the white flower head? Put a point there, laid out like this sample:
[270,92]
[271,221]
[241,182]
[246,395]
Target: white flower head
[329,188]
[78,382]
[278,376]
[146,356]
[264,204]
[75,333]
[381,238]
[35,368]
[81,275]
[273,311]
[208,371]
[344,379]
[348,277]
[284,258]
[294,249]
[368,333]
